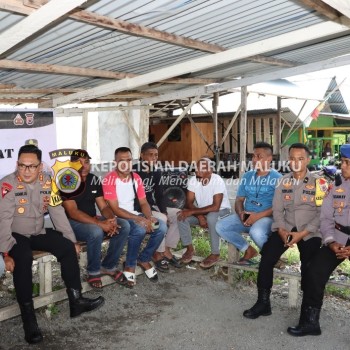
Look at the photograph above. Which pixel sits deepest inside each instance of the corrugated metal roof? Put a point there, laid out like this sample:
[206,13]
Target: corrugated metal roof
[336,102]
[227,23]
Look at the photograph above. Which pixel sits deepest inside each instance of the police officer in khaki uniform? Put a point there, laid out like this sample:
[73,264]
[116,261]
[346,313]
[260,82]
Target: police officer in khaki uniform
[335,229]
[295,221]
[25,197]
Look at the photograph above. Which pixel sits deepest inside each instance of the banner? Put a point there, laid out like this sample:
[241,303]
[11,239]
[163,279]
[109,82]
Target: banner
[26,126]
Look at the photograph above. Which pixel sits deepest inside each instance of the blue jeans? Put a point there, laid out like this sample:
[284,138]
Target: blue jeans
[136,236]
[212,218]
[93,236]
[2,265]
[231,227]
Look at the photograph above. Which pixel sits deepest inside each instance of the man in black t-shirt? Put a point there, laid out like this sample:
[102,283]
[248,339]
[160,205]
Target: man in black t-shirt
[90,228]
[152,181]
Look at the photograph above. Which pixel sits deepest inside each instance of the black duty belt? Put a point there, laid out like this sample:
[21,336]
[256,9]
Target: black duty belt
[341,228]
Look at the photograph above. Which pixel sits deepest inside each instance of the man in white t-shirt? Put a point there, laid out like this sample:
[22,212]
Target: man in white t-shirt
[208,190]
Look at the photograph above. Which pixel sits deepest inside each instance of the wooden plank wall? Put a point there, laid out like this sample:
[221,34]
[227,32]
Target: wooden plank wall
[198,146]
[192,147]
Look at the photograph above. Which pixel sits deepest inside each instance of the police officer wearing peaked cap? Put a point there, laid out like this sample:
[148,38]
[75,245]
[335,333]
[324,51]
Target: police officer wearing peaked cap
[25,198]
[335,230]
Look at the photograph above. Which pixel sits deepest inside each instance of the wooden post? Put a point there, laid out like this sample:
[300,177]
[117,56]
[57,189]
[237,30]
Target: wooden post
[233,256]
[293,285]
[277,129]
[84,125]
[215,104]
[243,130]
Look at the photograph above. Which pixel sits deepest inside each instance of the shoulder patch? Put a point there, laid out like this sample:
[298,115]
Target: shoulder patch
[5,189]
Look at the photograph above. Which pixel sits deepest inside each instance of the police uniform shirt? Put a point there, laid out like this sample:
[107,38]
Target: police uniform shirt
[22,209]
[294,205]
[336,209]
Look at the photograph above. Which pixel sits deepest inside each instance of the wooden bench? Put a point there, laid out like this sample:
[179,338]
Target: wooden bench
[292,278]
[46,294]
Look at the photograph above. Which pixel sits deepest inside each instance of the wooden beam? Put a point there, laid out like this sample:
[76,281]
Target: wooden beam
[340,5]
[282,73]
[7,86]
[22,100]
[304,35]
[273,61]
[177,121]
[325,8]
[9,91]
[88,72]
[135,29]
[36,21]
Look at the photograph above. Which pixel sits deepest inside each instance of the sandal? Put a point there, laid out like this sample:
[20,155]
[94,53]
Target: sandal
[162,265]
[94,281]
[246,262]
[187,257]
[118,277]
[150,273]
[173,261]
[209,261]
[131,279]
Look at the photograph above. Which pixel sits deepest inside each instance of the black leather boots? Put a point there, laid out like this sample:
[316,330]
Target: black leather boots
[308,323]
[78,304]
[262,307]
[32,333]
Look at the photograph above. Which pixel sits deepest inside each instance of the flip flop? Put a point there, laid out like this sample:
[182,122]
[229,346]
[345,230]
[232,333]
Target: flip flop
[187,257]
[246,262]
[162,265]
[173,261]
[150,273]
[208,262]
[118,277]
[94,281]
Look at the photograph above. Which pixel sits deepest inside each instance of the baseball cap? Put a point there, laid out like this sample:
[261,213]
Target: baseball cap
[345,150]
[148,145]
[79,153]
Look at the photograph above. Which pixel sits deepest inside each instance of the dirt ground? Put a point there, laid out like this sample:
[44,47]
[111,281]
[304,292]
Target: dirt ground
[188,309]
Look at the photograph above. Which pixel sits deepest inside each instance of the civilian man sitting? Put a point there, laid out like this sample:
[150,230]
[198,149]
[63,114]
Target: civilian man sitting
[121,189]
[209,191]
[81,211]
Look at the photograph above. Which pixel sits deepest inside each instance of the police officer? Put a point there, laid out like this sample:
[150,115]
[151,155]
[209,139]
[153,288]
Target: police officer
[335,230]
[295,221]
[25,197]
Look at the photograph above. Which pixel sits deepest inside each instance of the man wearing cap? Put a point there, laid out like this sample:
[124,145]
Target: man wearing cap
[26,195]
[92,229]
[335,230]
[152,181]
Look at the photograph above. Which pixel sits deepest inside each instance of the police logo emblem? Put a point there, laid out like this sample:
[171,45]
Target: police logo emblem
[18,120]
[20,187]
[66,176]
